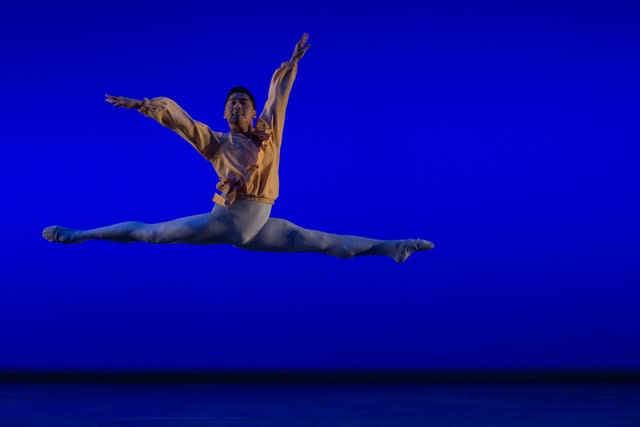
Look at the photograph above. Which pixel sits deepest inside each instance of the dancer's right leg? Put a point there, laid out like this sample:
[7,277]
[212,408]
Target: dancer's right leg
[233,225]
[174,231]
[189,229]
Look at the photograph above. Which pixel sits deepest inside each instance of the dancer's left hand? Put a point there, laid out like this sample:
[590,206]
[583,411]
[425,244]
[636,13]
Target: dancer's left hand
[300,49]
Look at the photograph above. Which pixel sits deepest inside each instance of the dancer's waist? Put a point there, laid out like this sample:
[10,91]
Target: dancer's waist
[227,201]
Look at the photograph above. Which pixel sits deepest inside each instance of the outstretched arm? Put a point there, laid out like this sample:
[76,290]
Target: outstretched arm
[169,114]
[274,110]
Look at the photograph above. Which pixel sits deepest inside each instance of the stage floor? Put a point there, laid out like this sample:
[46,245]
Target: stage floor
[191,405]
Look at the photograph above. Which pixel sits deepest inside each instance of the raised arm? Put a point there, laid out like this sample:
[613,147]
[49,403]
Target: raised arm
[170,115]
[275,108]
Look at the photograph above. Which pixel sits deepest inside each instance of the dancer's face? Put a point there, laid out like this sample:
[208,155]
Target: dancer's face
[239,112]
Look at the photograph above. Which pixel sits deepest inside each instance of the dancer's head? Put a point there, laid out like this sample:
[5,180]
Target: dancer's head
[239,109]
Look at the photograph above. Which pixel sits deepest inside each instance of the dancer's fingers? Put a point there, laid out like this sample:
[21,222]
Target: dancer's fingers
[301,53]
[302,41]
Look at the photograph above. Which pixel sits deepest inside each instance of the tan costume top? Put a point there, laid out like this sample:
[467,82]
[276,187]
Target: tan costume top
[246,164]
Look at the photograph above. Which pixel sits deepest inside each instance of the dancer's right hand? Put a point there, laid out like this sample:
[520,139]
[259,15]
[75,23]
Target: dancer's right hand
[122,101]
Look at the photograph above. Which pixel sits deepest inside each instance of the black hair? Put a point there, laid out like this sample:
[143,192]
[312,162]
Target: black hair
[240,89]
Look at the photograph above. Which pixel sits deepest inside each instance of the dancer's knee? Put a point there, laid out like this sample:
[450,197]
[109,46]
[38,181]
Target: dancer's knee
[319,241]
[296,237]
[288,234]
[146,232]
[308,240]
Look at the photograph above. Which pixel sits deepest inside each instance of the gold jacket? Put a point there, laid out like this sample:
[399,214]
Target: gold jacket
[246,164]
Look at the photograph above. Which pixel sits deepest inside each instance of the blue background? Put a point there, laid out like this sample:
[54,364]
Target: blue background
[507,134]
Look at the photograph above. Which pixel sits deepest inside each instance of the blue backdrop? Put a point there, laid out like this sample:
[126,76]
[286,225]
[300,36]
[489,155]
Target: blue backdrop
[505,134]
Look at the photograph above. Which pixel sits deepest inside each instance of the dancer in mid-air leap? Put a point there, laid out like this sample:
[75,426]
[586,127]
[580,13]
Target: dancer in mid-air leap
[246,160]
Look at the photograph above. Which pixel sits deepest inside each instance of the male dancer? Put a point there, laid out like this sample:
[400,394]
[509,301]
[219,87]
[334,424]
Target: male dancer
[246,160]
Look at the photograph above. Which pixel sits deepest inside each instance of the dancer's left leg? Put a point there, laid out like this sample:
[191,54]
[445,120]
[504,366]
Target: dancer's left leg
[280,235]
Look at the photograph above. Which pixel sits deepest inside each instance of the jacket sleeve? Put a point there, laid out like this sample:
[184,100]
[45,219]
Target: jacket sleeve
[169,114]
[275,108]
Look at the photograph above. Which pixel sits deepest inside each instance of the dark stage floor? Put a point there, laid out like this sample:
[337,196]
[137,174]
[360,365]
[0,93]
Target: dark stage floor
[191,405]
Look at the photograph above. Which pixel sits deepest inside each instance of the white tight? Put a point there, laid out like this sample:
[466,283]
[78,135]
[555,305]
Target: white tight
[245,224]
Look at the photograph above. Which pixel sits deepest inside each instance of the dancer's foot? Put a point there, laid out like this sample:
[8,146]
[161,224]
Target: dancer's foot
[402,249]
[58,234]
